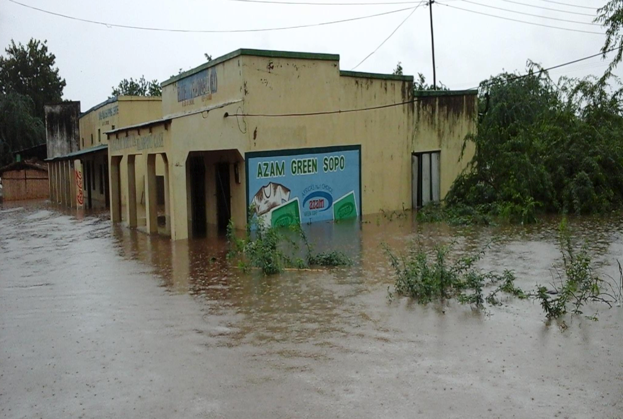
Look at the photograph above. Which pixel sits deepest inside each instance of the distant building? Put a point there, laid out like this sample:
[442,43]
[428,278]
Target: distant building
[290,137]
[78,147]
[24,180]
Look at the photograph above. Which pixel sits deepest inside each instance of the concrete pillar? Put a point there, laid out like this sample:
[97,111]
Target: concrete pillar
[167,202]
[53,182]
[115,188]
[179,200]
[59,185]
[72,183]
[67,183]
[131,204]
[151,211]
[49,182]
[61,168]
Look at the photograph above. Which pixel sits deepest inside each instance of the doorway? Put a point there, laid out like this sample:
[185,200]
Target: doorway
[425,173]
[223,196]
[198,196]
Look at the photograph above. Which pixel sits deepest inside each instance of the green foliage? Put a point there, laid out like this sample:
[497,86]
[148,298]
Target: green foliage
[19,127]
[138,87]
[611,17]
[544,147]
[28,70]
[458,214]
[273,249]
[577,285]
[398,71]
[420,82]
[430,276]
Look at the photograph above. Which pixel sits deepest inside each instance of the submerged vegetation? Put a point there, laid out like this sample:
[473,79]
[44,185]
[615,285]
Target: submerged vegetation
[274,249]
[577,284]
[428,276]
[541,147]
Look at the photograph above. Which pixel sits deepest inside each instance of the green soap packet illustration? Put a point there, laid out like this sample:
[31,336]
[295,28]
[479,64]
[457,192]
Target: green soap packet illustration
[286,214]
[345,207]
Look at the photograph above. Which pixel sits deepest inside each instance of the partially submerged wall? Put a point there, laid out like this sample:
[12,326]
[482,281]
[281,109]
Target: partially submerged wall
[62,125]
[442,121]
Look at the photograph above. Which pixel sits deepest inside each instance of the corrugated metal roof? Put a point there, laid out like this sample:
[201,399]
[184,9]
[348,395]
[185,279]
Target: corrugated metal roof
[84,152]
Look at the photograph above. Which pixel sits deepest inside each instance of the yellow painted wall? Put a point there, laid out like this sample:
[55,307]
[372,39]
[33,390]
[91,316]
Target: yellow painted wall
[442,122]
[208,126]
[158,140]
[306,86]
[102,118]
[122,111]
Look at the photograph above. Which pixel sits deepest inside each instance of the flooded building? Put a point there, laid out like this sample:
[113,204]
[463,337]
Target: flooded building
[79,156]
[291,138]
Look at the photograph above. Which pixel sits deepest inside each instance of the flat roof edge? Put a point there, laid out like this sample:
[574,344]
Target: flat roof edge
[256,53]
[141,125]
[435,93]
[99,105]
[380,76]
[82,152]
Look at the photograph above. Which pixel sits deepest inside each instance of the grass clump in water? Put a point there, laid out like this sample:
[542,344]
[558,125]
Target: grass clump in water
[431,276]
[577,284]
[274,249]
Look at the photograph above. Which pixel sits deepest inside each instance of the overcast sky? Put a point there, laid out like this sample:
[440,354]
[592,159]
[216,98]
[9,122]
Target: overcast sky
[469,47]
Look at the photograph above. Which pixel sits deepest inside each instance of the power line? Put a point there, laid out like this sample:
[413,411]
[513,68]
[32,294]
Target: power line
[309,3]
[333,112]
[550,9]
[530,14]
[570,5]
[557,66]
[520,21]
[286,115]
[145,28]
[387,39]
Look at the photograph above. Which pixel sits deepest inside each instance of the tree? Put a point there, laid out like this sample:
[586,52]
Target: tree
[611,17]
[398,70]
[420,83]
[29,70]
[544,146]
[139,87]
[19,126]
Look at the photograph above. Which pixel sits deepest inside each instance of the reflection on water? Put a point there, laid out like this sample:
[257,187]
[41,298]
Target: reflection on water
[324,340]
[319,304]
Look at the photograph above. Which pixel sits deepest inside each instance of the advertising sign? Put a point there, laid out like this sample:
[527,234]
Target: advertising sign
[304,186]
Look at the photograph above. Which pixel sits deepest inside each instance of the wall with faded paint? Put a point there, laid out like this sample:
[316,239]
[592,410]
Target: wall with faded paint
[62,128]
[219,111]
[96,121]
[442,121]
[287,86]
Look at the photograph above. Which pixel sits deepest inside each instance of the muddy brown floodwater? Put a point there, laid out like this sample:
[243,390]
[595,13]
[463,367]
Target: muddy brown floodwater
[103,322]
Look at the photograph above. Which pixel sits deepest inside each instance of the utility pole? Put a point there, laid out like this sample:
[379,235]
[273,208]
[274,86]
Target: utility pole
[432,40]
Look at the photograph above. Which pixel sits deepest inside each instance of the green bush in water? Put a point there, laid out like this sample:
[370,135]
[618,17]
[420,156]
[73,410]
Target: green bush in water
[431,276]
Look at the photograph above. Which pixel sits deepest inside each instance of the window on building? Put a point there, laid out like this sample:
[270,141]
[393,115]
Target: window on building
[426,175]
[91,139]
[101,178]
[113,127]
[82,142]
[99,135]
